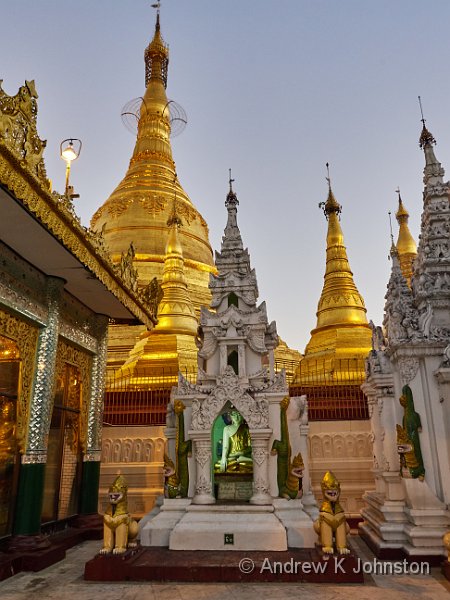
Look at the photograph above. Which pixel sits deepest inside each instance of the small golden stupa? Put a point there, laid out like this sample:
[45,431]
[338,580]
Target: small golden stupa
[406,246]
[170,346]
[342,337]
[139,208]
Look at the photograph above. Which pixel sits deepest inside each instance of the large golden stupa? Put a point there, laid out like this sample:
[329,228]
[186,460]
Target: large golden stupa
[139,208]
[342,337]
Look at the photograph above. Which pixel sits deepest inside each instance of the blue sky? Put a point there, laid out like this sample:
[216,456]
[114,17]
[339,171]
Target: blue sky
[273,90]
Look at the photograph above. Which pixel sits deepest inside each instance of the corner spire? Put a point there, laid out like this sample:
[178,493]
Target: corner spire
[406,246]
[232,236]
[433,172]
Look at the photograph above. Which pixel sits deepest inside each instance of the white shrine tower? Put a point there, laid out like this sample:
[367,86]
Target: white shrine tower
[231,490]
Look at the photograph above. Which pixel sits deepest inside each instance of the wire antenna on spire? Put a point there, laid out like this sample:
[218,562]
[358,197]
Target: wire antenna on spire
[397,191]
[393,248]
[328,175]
[157,5]
[230,181]
[421,110]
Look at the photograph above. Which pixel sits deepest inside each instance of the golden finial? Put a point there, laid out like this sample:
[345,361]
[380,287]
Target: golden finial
[401,212]
[156,56]
[331,205]
[157,5]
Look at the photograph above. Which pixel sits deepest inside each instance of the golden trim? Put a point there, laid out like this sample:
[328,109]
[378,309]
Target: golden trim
[56,214]
[26,338]
[67,353]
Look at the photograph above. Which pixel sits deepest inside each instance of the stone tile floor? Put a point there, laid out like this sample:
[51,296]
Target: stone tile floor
[64,581]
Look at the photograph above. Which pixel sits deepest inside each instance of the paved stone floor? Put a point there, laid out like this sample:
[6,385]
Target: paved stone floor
[64,581]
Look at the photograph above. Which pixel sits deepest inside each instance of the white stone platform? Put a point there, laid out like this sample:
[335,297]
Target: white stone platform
[156,531]
[252,527]
[298,524]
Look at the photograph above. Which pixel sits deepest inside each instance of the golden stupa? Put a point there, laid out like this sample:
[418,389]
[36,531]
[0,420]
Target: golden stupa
[342,337]
[138,210]
[286,358]
[170,346]
[406,246]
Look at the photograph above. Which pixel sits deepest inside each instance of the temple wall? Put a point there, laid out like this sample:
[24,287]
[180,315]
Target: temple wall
[344,447]
[137,453]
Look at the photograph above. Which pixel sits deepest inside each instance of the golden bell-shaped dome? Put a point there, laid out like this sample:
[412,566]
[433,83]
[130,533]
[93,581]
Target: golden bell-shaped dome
[138,209]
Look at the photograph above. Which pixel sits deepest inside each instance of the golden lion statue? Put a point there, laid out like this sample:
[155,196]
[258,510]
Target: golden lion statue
[331,526]
[119,529]
[446,540]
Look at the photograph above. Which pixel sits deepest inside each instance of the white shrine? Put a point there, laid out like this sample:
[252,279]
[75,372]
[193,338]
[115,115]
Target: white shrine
[237,465]
[408,512]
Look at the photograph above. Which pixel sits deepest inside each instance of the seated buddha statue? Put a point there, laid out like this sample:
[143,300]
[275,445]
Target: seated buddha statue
[236,447]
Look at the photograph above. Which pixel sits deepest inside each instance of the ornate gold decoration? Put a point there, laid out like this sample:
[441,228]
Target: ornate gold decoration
[153,294]
[119,529]
[127,272]
[18,128]
[446,540]
[331,526]
[26,337]
[67,354]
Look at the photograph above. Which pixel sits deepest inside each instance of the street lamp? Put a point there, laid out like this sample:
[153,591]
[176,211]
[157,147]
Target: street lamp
[70,150]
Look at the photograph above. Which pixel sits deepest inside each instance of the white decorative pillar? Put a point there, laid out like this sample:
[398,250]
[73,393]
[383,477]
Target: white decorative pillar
[241,361]
[260,453]
[203,481]
[223,357]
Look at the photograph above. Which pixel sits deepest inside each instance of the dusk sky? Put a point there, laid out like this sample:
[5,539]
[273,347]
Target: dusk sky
[273,90]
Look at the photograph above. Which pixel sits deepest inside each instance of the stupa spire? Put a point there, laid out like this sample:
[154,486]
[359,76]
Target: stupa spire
[342,337]
[406,246]
[156,55]
[139,207]
[340,302]
[176,312]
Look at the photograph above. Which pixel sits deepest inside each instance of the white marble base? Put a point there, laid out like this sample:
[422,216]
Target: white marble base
[156,531]
[253,528]
[298,524]
[310,505]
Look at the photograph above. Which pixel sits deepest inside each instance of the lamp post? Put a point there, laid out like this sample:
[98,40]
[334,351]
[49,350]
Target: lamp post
[70,150]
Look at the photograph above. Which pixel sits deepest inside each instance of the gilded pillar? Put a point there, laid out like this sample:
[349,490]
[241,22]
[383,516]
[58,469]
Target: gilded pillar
[203,483]
[31,478]
[92,452]
[260,455]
